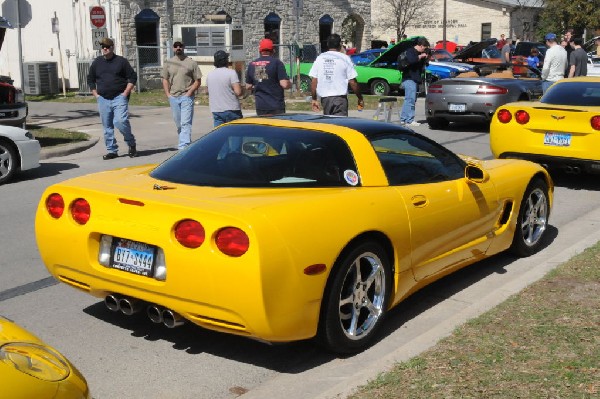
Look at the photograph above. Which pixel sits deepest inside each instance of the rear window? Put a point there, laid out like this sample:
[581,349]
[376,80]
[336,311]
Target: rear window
[573,93]
[262,156]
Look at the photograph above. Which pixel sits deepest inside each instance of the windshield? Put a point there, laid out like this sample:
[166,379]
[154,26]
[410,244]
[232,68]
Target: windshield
[252,155]
[573,93]
[441,55]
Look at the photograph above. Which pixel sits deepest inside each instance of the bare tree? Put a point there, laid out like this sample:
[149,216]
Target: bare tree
[405,12]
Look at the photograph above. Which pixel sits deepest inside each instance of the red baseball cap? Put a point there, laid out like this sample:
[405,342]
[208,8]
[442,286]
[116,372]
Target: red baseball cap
[265,45]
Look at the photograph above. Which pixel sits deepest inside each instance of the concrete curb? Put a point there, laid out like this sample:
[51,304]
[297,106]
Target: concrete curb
[67,149]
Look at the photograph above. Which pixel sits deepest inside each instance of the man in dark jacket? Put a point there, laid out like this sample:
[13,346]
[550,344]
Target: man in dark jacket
[412,76]
[111,79]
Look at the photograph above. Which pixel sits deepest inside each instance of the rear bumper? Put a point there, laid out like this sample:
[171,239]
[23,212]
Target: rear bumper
[587,165]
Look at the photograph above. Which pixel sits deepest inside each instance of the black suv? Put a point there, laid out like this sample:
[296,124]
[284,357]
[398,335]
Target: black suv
[523,49]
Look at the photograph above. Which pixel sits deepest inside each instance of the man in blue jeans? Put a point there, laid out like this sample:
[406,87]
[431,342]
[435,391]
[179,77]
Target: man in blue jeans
[111,79]
[181,78]
[412,76]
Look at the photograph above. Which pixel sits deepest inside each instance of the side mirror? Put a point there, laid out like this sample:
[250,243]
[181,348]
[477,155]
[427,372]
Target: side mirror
[475,174]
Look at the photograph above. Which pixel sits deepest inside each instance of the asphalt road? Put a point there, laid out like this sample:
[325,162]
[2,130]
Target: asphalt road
[129,357]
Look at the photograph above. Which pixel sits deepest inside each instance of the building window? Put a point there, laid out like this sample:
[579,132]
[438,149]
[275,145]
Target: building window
[486,31]
[325,29]
[203,40]
[146,36]
[272,25]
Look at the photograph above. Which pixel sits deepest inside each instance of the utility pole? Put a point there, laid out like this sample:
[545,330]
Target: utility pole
[56,30]
[444,27]
[20,45]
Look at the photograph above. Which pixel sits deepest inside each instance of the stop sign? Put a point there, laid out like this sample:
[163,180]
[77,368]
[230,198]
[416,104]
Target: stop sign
[98,16]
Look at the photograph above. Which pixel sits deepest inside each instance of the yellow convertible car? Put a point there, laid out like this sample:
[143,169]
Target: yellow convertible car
[31,369]
[561,131]
[288,227]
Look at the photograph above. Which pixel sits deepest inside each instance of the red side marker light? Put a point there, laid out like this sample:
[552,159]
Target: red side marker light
[314,269]
[131,202]
[55,205]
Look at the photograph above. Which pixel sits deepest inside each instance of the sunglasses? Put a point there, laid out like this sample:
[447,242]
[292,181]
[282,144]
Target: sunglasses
[105,46]
[178,46]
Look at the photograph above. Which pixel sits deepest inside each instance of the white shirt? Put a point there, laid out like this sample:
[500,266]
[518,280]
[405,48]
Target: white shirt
[333,70]
[555,63]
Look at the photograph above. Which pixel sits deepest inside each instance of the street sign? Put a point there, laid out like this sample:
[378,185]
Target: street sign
[97,16]
[97,36]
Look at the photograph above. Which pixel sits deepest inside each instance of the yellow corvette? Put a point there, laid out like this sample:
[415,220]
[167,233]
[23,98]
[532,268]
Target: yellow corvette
[288,227]
[562,130]
[31,369]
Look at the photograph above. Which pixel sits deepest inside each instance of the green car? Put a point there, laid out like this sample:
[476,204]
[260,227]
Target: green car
[380,77]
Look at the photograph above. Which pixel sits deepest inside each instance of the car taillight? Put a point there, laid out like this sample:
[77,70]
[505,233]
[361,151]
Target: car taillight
[435,89]
[491,89]
[189,233]
[80,210]
[522,117]
[595,122]
[55,205]
[232,241]
[504,115]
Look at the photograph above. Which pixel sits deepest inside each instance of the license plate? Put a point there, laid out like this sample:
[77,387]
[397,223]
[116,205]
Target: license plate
[457,107]
[557,139]
[133,256]
[2,115]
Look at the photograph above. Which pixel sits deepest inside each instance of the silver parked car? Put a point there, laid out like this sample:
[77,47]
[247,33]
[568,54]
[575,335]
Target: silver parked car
[474,96]
[19,151]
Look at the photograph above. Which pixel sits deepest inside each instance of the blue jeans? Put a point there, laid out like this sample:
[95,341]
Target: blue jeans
[115,113]
[226,116]
[545,85]
[407,115]
[182,108]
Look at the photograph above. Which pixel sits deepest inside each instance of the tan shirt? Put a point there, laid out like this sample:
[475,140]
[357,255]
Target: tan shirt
[180,74]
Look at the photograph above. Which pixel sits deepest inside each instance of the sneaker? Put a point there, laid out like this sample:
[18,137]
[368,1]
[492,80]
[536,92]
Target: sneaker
[413,123]
[110,155]
[132,151]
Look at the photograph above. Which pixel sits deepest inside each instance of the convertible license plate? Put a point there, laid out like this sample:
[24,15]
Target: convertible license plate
[457,107]
[2,115]
[557,139]
[133,256]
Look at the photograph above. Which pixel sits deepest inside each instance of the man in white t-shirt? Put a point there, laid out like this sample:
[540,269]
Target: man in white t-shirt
[331,74]
[224,88]
[555,62]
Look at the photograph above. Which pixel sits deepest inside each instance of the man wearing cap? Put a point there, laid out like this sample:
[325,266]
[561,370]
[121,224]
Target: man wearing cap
[111,79]
[267,78]
[331,74]
[223,90]
[180,79]
[555,62]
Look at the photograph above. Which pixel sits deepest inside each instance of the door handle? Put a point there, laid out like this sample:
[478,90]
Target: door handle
[419,201]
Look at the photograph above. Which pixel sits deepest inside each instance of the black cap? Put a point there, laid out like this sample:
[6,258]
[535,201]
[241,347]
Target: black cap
[221,56]
[176,44]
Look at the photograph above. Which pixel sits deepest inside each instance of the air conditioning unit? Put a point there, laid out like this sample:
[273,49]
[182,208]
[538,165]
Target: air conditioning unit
[83,68]
[41,77]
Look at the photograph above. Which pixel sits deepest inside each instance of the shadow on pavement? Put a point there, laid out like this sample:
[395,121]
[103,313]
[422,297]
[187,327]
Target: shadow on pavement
[45,170]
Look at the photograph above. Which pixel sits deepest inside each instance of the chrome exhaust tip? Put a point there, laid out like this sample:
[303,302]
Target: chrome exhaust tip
[172,319]
[130,306]
[112,302]
[155,313]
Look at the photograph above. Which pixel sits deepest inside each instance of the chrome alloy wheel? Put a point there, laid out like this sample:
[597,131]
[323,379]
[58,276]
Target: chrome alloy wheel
[535,217]
[362,298]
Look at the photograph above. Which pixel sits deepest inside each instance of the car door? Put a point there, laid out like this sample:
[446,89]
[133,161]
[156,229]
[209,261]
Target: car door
[452,219]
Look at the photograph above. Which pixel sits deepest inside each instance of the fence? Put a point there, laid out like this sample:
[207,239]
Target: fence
[148,60]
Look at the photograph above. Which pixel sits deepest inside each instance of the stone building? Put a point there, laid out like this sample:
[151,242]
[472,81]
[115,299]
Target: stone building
[147,27]
[466,20]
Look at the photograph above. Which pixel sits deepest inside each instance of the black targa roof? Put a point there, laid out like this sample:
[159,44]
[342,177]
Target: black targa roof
[473,50]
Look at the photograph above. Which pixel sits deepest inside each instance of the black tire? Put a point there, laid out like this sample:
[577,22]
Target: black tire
[356,299]
[437,123]
[532,222]
[380,87]
[9,161]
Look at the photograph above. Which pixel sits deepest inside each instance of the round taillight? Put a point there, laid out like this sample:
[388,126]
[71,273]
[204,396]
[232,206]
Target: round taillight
[504,116]
[595,122]
[522,117]
[55,205]
[80,210]
[189,233]
[232,241]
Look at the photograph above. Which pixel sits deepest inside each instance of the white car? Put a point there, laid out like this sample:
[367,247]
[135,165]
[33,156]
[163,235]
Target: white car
[593,67]
[19,151]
